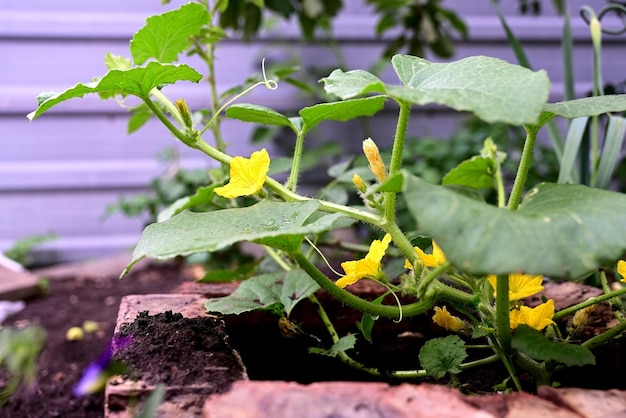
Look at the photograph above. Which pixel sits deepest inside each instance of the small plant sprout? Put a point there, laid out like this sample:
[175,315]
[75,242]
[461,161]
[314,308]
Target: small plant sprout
[496,253]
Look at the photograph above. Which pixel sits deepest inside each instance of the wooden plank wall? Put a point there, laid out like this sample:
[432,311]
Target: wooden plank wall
[59,172]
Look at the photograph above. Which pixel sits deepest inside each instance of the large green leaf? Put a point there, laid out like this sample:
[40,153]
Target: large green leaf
[534,344]
[166,35]
[493,89]
[278,224]
[560,230]
[588,106]
[260,292]
[341,111]
[136,81]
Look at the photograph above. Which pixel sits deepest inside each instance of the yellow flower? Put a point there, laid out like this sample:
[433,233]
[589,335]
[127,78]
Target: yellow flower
[444,319]
[621,269]
[520,285]
[247,175]
[435,259]
[377,166]
[538,317]
[365,267]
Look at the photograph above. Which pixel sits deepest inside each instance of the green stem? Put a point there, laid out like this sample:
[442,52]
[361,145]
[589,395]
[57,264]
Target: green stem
[292,182]
[507,364]
[355,301]
[591,301]
[168,105]
[401,374]
[524,166]
[401,241]
[605,336]
[502,313]
[169,125]
[396,158]
[215,107]
[499,185]
[345,358]
[427,280]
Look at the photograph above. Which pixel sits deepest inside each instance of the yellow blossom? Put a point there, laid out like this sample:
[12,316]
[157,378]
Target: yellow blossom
[520,285]
[444,319]
[435,259]
[621,269]
[247,175]
[538,317]
[377,166]
[365,267]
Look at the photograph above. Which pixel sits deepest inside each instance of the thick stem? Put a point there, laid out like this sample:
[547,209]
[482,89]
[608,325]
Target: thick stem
[524,167]
[503,323]
[355,301]
[168,105]
[396,158]
[215,106]
[292,182]
[169,125]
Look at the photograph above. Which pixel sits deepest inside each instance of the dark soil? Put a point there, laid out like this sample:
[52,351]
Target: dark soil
[69,302]
[167,348]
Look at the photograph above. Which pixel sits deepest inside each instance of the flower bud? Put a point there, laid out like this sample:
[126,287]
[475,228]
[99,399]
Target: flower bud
[181,105]
[359,183]
[596,30]
[376,164]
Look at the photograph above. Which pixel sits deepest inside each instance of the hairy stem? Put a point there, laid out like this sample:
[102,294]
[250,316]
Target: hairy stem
[396,158]
[524,167]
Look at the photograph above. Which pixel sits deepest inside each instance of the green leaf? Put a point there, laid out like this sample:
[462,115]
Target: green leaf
[137,81]
[535,345]
[166,35]
[477,172]
[264,291]
[588,106]
[242,272]
[366,326]
[258,114]
[443,355]
[138,119]
[345,343]
[493,89]
[116,62]
[341,111]
[560,230]
[278,224]
[347,85]
[202,195]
